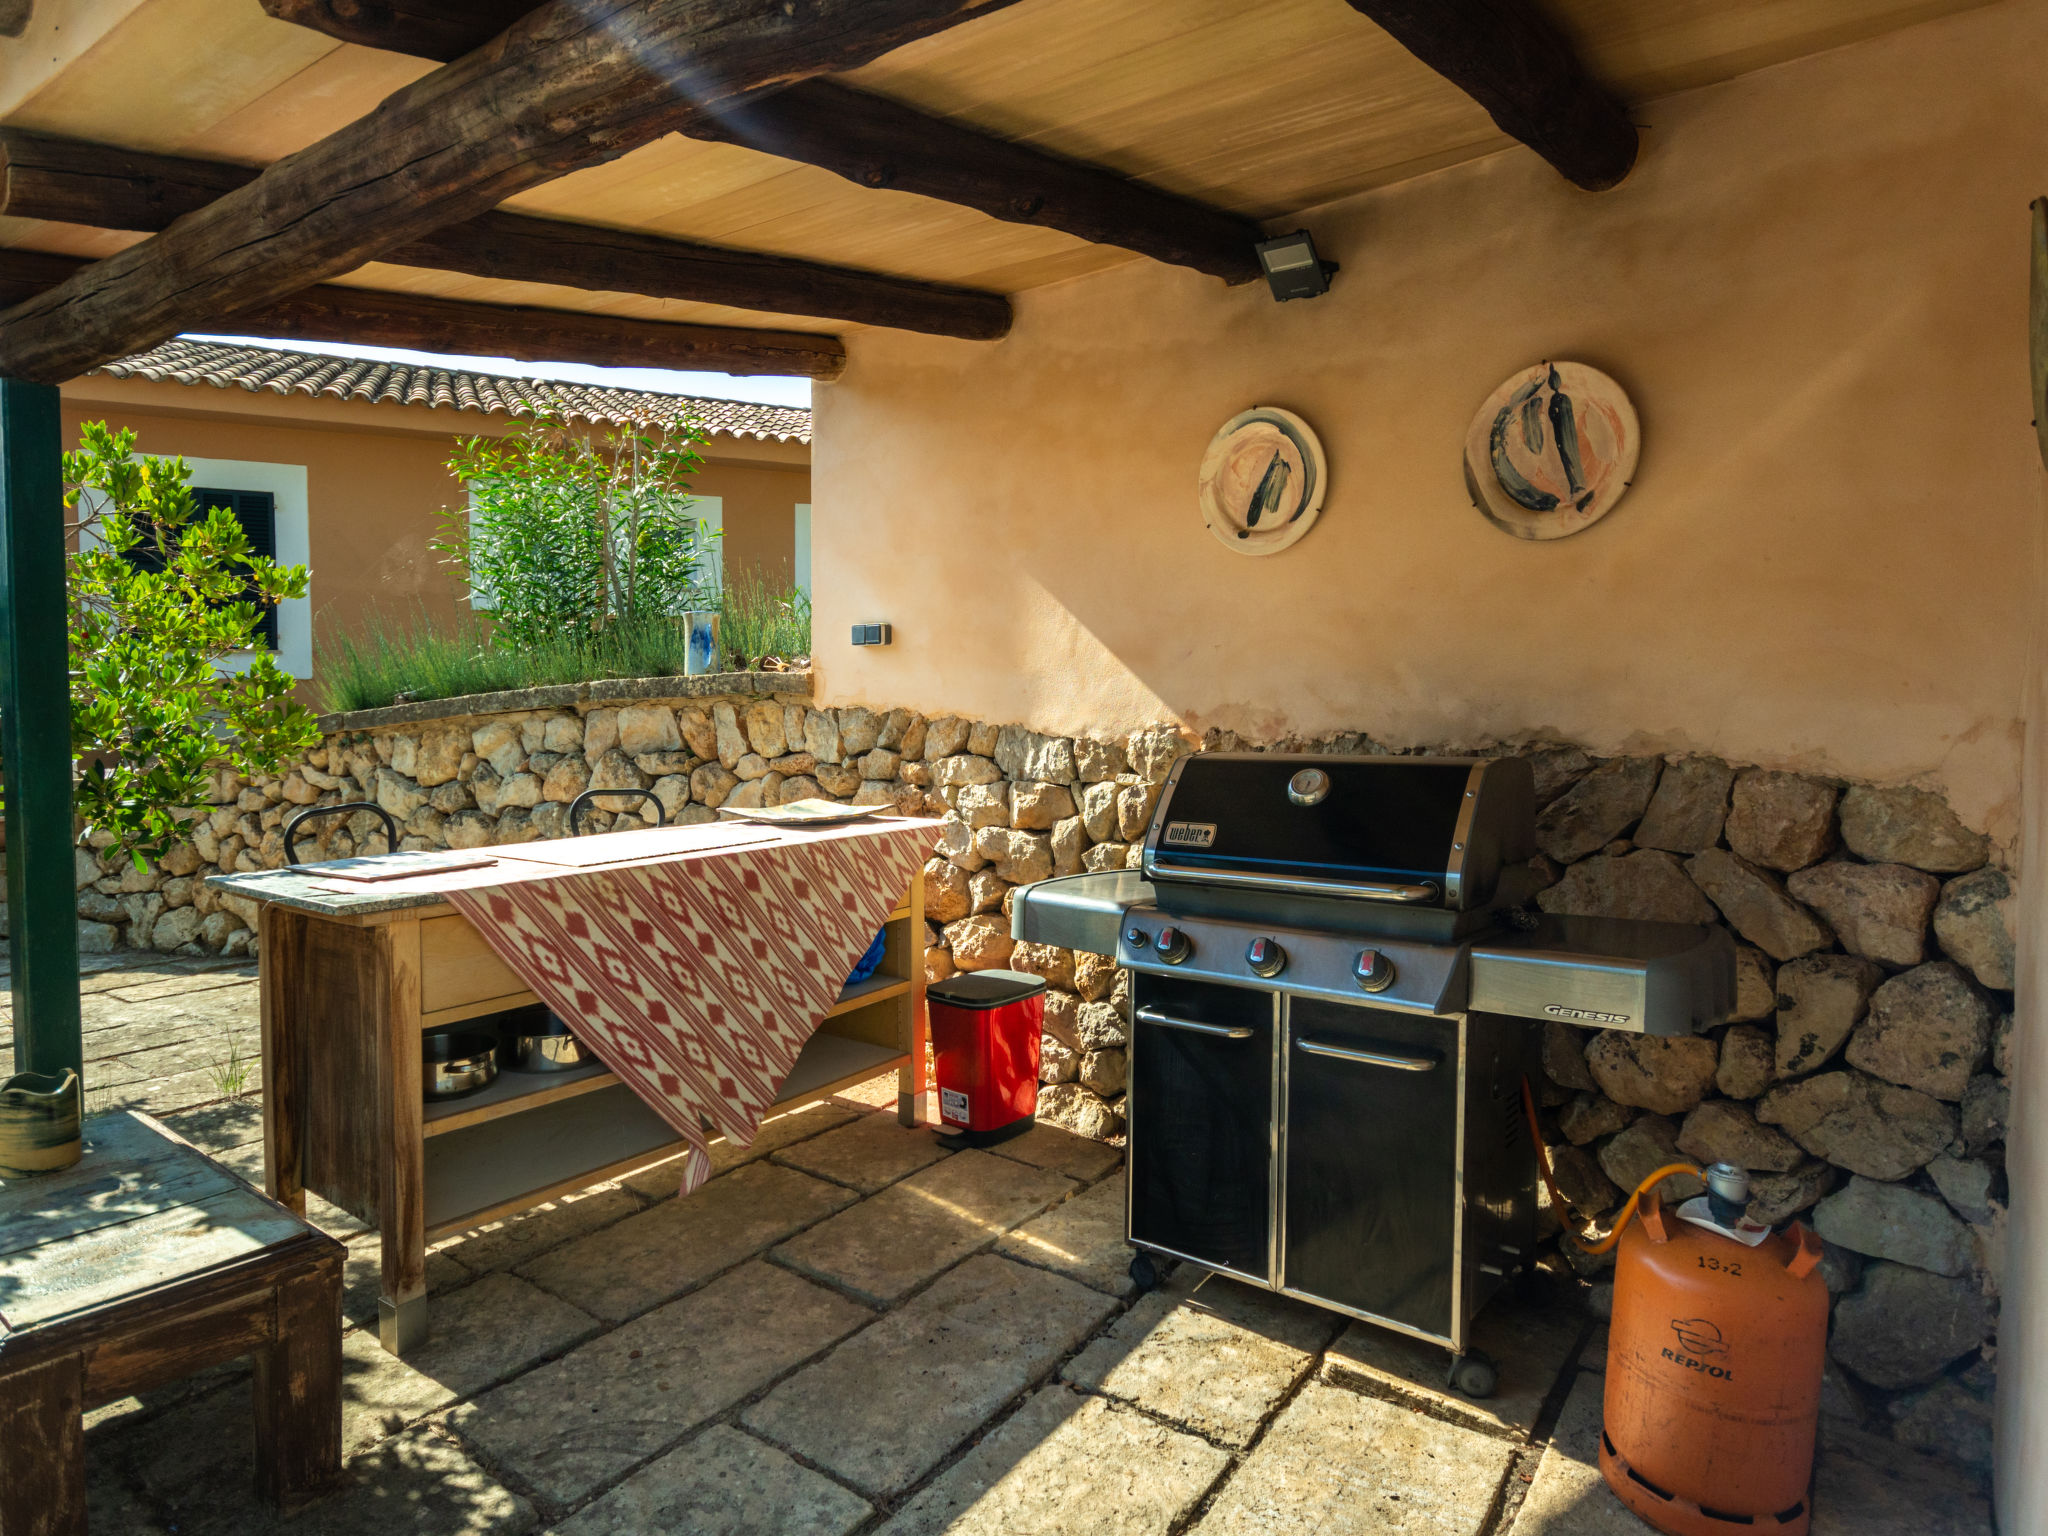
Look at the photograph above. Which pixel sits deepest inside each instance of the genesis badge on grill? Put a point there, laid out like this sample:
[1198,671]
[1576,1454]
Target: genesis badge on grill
[1585,1015]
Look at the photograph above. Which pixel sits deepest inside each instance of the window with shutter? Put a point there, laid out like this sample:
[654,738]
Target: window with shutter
[256,511]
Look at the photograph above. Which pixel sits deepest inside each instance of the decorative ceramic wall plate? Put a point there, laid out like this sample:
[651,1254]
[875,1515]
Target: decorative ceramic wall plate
[1552,451]
[1262,481]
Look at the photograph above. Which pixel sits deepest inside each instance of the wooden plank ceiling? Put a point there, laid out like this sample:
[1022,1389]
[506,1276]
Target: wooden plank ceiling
[1261,109]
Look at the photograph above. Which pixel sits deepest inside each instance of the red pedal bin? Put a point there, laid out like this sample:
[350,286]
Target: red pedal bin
[985,1027]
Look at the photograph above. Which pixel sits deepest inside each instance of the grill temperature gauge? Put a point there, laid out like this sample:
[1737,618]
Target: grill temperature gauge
[1374,971]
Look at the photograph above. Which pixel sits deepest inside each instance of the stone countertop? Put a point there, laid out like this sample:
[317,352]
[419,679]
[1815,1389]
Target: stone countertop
[298,887]
[616,690]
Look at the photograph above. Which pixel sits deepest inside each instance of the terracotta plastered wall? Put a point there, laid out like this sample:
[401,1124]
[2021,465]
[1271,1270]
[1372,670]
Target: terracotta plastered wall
[1814,288]
[375,493]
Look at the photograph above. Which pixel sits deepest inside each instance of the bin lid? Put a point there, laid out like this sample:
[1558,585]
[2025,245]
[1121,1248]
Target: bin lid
[985,989]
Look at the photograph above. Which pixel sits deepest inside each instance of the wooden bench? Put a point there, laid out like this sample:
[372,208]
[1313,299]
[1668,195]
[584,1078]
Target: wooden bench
[144,1263]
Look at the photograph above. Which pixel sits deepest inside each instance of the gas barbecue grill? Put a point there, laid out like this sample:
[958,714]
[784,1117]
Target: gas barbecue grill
[1334,976]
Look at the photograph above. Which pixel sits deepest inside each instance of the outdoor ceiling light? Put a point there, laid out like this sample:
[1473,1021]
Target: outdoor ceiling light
[1293,269]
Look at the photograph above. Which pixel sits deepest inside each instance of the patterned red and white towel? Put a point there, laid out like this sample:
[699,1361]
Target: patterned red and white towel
[698,978]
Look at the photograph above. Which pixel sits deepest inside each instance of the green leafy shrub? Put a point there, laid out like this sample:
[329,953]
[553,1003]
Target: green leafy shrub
[574,532]
[159,593]
[762,620]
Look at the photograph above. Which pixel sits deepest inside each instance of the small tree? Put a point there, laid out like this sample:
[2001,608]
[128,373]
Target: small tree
[572,533]
[159,593]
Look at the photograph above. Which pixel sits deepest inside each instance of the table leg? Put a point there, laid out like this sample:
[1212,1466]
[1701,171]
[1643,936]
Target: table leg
[281,939]
[401,1193]
[298,1390]
[42,1449]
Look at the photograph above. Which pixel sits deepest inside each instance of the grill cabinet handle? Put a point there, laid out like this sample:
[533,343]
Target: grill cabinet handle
[1369,1058]
[1194,1026]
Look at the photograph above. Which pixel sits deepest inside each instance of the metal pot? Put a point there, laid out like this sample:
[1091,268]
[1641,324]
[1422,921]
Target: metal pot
[457,1062]
[539,1041]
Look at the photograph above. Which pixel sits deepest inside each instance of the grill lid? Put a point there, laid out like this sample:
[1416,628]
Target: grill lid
[1410,831]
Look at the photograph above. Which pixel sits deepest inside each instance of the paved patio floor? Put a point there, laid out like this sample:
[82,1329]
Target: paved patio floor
[851,1329]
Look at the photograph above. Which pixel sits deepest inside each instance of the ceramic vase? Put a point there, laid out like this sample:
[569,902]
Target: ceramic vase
[39,1118]
[700,652]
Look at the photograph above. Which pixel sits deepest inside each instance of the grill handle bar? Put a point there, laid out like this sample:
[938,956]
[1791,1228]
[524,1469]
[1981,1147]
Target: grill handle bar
[1364,890]
[1370,1058]
[1194,1026]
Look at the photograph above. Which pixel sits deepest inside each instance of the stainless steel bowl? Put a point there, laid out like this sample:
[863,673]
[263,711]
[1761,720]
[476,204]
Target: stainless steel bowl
[541,1042]
[457,1062]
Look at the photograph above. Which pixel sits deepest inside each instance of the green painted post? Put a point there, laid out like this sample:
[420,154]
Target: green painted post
[35,733]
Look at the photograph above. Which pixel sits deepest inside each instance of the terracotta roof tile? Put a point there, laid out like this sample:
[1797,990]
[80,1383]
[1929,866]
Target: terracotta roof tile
[287,372]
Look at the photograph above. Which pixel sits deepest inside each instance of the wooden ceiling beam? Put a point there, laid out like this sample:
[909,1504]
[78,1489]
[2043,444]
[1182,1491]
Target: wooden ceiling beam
[1507,56]
[867,139]
[101,187]
[368,317]
[573,84]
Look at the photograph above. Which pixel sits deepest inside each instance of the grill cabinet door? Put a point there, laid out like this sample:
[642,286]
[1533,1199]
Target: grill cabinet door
[1201,1122]
[1371,1161]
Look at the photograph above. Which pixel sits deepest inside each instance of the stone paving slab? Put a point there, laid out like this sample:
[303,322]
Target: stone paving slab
[1047,1146]
[147,986]
[887,1405]
[419,1483]
[522,1238]
[723,1483]
[1569,1496]
[1532,1343]
[1067,1465]
[1082,1238]
[575,1424]
[483,1333]
[636,1264]
[664,1179]
[1868,1486]
[868,1155]
[1338,1463]
[893,1242]
[1216,1359]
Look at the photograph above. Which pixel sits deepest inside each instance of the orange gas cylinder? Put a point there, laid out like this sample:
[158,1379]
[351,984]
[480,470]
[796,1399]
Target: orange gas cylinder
[1714,1362]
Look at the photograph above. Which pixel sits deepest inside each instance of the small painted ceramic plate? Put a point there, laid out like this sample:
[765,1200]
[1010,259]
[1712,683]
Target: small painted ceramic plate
[1262,481]
[1552,451]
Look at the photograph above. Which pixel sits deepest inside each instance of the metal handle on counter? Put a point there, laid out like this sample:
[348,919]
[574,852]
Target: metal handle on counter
[346,808]
[1194,1026]
[1369,1058]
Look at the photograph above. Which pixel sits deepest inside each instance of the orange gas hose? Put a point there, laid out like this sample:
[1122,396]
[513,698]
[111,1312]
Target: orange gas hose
[1563,1205]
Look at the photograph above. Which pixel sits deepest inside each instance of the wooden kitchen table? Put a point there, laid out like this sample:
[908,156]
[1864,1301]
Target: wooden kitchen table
[348,983]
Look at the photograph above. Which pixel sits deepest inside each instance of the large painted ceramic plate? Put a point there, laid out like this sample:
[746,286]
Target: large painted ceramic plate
[1262,481]
[805,813]
[1552,451]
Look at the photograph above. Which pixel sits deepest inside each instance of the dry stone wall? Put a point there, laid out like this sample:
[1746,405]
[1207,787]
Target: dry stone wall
[1861,1078]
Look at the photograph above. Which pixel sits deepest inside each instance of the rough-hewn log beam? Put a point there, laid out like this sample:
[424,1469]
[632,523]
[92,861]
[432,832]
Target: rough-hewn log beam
[573,84]
[1510,59]
[868,139]
[106,188]
[368,317]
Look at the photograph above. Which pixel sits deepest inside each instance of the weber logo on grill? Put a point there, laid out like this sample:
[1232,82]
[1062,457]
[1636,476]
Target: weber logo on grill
[1585,1015]
[1190,834]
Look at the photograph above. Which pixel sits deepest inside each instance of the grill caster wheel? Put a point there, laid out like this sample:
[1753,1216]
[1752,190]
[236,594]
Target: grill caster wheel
[1144,1273]
[1474,1376]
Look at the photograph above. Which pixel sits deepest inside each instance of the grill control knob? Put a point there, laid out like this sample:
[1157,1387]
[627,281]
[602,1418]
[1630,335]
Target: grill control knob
[1173,946]
[1137,937]
[1374,971]
[1265,957]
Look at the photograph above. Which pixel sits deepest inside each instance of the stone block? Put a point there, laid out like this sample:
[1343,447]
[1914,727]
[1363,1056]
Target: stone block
[894,1241]
[589,1417]
[723,1483]
[1890,1221]
[1650,1142]
[1342,1464]
[1067,1465]
[890,1403]
[1904,1326]
[1589,1116]
[1748,1062]
[1647,884]
[980,943]
[1598,808]
[867,1154]
[638,1263]
[1861,1123]
[1668,1074]
[1081,1238]
[1929,1028]
[1039,807]
[1690,805]
[1756,905]
[1781,821]
[1821,998]
[1047,1146]
[1909,826]
[1723,1131]
[1215,1360]
[1532,1342]
[1973,926]
[1879,911]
